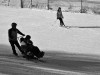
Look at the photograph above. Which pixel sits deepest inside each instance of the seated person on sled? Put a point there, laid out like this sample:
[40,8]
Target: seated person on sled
[29,49]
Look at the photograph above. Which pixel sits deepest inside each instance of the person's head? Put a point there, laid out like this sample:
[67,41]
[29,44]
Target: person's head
[59,9]
[28,37]
[14,25]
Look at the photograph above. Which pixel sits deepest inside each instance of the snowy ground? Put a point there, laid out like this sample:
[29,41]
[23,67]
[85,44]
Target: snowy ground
[78,43]
[38,24]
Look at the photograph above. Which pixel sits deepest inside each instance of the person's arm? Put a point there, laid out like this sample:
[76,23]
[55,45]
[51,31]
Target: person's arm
[31,42]
[20,32]
[57,15]
[9,34]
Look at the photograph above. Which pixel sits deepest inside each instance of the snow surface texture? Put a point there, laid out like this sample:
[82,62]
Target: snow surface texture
[38,24]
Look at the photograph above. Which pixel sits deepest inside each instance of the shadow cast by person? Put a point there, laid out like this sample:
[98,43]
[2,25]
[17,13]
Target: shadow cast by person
[5,50]
[73,62]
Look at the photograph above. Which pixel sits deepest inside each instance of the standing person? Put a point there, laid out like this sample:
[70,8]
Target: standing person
[60,16]
[12,34]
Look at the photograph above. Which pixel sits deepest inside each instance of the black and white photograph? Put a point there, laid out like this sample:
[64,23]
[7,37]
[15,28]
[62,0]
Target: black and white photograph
[49,37]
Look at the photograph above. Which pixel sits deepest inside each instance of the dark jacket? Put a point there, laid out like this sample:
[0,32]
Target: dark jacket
[59,15]
[12,34]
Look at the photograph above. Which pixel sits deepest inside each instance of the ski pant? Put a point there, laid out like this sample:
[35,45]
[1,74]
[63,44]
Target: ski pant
[34,49]
[13,43]
[61,21]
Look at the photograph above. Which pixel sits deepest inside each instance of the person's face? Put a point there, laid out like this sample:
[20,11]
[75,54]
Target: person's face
[14,27]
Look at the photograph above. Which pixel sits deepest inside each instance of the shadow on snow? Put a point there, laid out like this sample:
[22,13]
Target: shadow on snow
[67,61]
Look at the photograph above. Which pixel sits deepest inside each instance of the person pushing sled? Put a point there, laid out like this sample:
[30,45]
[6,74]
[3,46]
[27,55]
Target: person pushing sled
[29,49]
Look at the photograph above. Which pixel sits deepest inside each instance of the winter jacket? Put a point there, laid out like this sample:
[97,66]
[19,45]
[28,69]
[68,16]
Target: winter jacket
[59,15]
[12,34]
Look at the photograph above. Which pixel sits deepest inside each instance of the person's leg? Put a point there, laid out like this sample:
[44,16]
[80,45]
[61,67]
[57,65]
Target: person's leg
[61,21]
[13,47]
[37,51]
[41,54]
[17,44]
[34,50]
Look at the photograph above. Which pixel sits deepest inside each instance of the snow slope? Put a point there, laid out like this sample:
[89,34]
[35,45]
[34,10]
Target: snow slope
[38,24]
